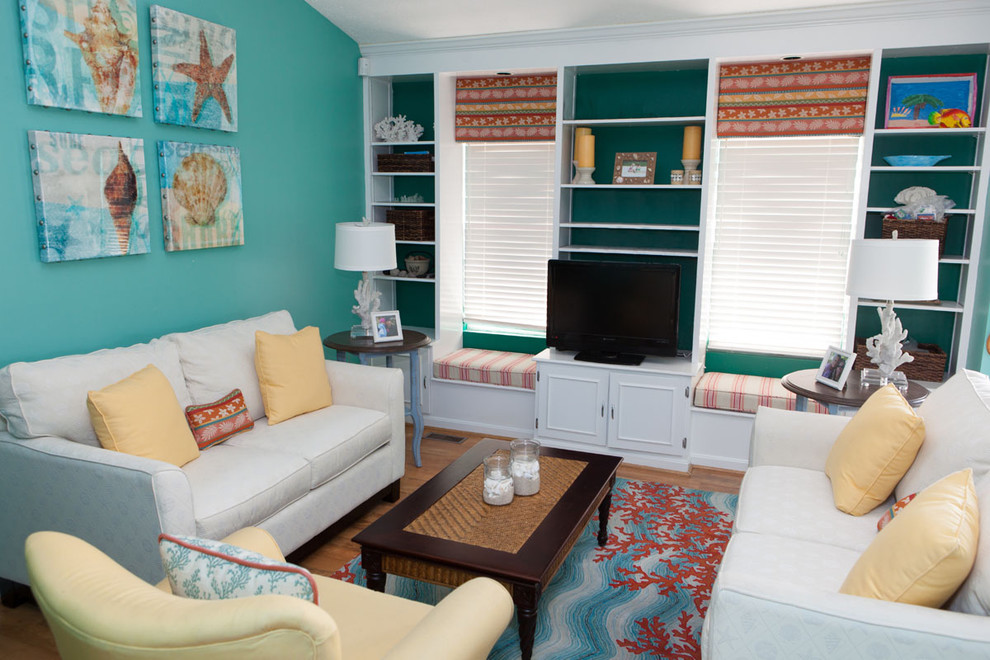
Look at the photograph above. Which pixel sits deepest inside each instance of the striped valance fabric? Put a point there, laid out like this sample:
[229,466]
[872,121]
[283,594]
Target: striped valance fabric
[803,97]
[506,108]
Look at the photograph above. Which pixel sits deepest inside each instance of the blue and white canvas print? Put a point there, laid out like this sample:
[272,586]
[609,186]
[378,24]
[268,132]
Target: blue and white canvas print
[201,195]
[195,71]
[82,55]
[90,195]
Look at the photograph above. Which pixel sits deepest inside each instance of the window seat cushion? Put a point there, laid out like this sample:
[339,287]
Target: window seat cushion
[741,393]
[476,365]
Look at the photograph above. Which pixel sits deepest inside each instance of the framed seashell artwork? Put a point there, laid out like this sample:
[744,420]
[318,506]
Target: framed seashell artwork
[82,55]
[90,195]
[201,195]
[194,68]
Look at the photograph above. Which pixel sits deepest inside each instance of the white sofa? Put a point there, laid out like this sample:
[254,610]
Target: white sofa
[293,479]
[777,591]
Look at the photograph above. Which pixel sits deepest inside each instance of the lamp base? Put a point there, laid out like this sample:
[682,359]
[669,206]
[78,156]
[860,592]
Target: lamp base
[359,331]
[875,377]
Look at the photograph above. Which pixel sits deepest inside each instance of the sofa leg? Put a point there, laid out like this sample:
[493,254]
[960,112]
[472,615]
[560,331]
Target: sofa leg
[392,494]
[13,594]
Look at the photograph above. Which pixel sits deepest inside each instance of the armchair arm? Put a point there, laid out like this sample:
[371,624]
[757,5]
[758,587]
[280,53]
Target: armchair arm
[466,624]
[118,502]
[793,439]
[377,388]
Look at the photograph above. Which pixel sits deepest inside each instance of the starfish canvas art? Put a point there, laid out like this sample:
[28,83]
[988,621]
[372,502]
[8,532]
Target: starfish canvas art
[195,71]
[82,55]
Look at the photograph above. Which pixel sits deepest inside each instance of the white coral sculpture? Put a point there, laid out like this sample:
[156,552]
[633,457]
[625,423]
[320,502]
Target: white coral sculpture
[398,129]
[885,349]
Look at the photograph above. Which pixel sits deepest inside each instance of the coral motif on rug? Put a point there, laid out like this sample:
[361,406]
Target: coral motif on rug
[644,594]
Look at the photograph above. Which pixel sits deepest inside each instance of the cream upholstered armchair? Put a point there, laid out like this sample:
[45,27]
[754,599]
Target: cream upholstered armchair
[98,609]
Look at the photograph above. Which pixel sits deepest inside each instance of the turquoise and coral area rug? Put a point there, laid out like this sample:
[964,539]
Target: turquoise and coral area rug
[644,594]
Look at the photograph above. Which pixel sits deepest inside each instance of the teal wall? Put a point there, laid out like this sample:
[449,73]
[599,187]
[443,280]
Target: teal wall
[299,137]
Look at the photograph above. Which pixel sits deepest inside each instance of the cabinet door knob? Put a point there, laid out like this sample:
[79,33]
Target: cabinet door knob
[603,410]
[613,411]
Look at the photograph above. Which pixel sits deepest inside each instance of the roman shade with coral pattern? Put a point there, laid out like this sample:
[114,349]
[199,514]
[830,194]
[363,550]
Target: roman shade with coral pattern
[506,108]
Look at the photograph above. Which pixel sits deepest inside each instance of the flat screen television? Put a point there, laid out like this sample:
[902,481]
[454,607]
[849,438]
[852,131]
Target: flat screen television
[613,312]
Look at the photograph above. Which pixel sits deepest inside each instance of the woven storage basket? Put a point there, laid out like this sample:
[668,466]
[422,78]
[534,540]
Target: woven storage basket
[927,366]
[916,229]
[405,162]
[412,224]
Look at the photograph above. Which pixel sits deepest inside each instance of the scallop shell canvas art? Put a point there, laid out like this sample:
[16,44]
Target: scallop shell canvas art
[90,195]
[82,55]
[201,195]
[194,66]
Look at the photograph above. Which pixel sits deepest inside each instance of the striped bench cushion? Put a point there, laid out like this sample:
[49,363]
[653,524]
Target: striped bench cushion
[746,393]
[476,365]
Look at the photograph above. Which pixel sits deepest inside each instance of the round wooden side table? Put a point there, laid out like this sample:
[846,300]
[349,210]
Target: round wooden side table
[853,395]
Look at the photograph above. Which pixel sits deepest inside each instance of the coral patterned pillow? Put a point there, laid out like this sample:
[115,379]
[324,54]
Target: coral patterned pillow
[213,570]
[212,423]
[894,510]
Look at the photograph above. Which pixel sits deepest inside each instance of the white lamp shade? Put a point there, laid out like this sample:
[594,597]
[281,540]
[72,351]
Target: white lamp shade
[893,269]
[365,247]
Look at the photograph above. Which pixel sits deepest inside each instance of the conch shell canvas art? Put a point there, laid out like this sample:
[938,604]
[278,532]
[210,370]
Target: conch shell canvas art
[82,54]
[201,195]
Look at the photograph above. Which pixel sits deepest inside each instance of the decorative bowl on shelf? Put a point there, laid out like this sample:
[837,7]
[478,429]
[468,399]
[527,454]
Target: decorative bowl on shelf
[914,161]
[418,264]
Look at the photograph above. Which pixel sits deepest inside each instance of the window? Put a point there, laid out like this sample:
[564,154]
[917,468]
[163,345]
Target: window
[508,235]
[783,217]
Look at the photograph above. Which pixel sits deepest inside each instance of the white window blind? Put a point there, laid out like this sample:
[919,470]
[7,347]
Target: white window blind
[508,212]
[784,211]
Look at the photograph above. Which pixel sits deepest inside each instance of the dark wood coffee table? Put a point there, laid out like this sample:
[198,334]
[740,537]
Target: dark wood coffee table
[521,545]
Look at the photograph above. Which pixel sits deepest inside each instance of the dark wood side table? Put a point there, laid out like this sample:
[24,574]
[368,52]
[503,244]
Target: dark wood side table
[853,395]
[366,348]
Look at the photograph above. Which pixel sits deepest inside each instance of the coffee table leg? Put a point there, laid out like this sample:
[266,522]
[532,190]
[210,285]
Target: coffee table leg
[526,598]
[371,560]
[603,511]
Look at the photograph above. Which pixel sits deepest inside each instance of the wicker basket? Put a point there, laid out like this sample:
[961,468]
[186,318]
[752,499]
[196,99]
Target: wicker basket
[928,365]
[412,224]
[916,229]
[405,162]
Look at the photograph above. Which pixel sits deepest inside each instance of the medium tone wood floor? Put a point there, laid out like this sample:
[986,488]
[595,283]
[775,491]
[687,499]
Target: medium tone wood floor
[25,636]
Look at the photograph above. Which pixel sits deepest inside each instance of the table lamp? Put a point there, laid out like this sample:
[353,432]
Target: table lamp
[365,246]
[892,269]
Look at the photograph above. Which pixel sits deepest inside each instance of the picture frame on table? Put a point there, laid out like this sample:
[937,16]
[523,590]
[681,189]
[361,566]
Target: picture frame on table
[835,368]
[635,168]
[931,101]
[386,326]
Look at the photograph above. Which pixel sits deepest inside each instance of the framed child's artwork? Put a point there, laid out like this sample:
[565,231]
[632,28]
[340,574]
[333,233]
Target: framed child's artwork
[835,367]
[386,326]
[635,168]
[943,101]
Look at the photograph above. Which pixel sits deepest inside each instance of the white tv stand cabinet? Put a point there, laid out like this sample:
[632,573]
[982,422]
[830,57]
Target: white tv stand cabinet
[637,412]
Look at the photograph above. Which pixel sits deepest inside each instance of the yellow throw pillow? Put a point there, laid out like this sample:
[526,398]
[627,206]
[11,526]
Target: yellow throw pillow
[874,451]
[924,554]
[292,373]
[141,415]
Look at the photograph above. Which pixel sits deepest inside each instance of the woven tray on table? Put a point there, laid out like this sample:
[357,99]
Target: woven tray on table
[928,365]
[412,224]
[405,162]
[926,229]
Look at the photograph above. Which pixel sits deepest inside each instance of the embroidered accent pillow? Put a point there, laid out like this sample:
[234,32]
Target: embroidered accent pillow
[894,510]
[213,570]
[212,423]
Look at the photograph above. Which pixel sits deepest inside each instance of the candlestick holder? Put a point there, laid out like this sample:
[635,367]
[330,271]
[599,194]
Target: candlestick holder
[583,177]
[690,164]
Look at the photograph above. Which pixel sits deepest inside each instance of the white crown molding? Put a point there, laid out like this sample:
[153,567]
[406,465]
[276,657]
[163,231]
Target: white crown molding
[888,12]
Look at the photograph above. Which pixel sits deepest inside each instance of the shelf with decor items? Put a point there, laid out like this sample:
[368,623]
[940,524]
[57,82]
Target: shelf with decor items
[958,174]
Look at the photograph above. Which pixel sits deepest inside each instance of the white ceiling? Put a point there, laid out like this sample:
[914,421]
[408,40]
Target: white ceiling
[385,21]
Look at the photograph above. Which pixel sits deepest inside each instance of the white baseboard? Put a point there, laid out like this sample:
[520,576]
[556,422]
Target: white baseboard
[721,462]
[475,427]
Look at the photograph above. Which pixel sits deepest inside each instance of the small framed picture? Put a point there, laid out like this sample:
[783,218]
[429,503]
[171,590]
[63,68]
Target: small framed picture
[386,326]
[635,168]
[945,101]
[835,367]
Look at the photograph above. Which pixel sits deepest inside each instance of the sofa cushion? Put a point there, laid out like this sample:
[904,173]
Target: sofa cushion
[220,358]
[292,373]
[140,415]
[957,416]
[874,451]
[214,422]
[233,487]
[926,552]
[973,596]
[48,397]
[797,503]
[331,440]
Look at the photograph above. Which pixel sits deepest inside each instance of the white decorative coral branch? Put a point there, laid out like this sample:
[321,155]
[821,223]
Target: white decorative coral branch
[885,349]
[397,129]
